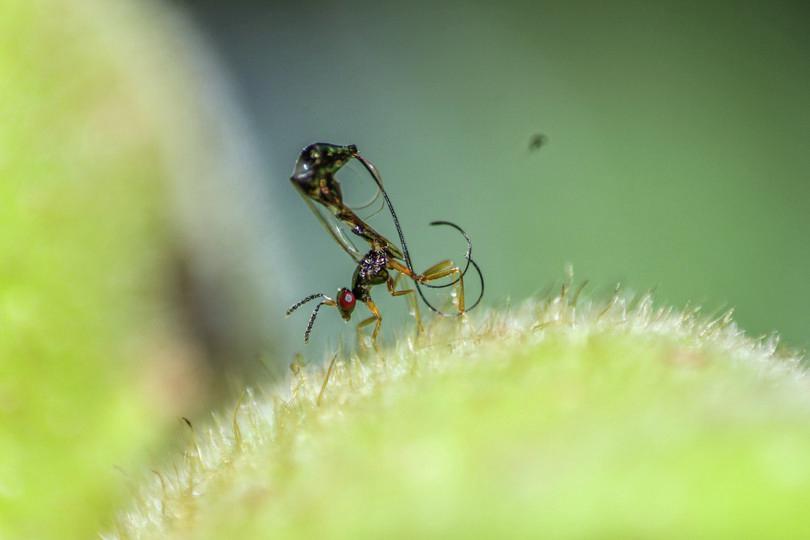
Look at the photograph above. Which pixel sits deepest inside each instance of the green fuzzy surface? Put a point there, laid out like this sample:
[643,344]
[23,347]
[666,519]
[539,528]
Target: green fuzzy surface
[614,420]
[82,233]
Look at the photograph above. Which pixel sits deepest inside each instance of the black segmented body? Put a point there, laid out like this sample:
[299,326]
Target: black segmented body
[370,271]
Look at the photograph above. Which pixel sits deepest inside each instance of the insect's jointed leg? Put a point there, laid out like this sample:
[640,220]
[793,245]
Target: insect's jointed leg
[375,318]
[443,265]
[444,269]
[412,300]
[437,271]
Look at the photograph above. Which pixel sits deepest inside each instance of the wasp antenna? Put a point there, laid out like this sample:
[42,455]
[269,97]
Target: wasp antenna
[304,301]
[311,322]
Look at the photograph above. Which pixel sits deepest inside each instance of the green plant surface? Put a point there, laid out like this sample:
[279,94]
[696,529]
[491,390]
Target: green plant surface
[82,234]
[616,420]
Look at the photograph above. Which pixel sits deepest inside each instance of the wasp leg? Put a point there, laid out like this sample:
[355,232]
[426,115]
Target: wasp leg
[392,286]
[375,318]
[444,269]
[443,265]
[437,271]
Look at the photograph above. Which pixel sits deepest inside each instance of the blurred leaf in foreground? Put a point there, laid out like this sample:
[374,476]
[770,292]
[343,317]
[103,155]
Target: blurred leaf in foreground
[99,122]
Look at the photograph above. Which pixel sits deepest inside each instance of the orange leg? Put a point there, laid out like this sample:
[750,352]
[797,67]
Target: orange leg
[437,271]
[392,286]
[375,318]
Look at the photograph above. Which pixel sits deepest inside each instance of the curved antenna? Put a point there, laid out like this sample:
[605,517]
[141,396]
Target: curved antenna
[326,300]
[376,176]
[312,321]
[304,301]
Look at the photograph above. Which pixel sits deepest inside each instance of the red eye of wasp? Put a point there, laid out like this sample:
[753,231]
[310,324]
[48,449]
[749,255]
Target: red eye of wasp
[346,300]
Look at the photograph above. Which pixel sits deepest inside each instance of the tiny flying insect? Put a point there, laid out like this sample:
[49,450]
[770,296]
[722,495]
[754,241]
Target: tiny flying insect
[314,178]
[537,141]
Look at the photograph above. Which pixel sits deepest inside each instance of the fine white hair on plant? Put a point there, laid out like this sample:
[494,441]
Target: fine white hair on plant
[280,419]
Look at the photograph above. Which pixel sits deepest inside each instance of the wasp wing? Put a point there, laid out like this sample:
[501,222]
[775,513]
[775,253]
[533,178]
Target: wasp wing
[335,229]
[321,190]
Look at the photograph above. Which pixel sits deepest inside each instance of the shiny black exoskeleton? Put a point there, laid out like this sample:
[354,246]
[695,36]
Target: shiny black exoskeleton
[372,270]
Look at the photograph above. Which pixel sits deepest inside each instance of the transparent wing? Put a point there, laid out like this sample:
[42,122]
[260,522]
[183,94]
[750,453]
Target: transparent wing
[368,203]
[357,173]
[335,228]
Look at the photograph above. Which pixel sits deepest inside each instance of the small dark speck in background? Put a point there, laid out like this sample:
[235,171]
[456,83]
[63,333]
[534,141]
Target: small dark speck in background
[537,141]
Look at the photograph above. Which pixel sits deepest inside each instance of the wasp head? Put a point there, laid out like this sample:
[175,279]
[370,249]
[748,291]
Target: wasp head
[346,301]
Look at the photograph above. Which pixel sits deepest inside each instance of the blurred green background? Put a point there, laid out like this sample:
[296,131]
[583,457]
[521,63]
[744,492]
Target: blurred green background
[678,136]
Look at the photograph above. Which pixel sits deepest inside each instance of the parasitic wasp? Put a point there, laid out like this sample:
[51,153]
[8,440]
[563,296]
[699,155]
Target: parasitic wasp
[314,177]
